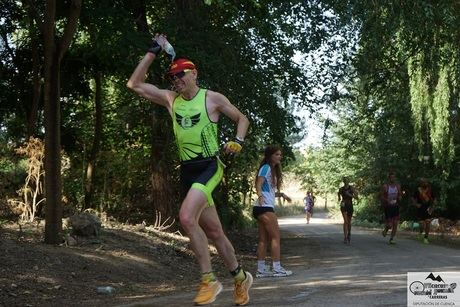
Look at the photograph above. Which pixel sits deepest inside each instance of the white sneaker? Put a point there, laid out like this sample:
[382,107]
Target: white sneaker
[281,272]
[265,273]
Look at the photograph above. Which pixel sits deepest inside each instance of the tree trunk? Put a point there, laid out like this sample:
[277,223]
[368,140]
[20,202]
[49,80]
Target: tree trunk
[139,13]
[91,168]
[53,53]
[53,213]
[162,193]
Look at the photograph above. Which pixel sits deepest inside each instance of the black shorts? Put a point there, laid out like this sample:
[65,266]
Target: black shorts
[423,214]
[348,209]
[203,174]
[259,210]
[391,213]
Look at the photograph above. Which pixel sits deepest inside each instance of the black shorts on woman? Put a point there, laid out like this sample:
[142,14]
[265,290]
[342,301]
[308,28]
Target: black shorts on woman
[259,210]
[347,209]
[423,213]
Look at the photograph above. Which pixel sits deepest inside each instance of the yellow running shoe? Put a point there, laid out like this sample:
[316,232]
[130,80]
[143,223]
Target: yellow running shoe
[241,293]
[207,292]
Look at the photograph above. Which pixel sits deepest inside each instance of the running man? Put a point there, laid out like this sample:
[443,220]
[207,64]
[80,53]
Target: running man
[345,195]
[424,199]
[195,114]
[390,196]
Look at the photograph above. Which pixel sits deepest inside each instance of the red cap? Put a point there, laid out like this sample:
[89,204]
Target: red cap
[180,65]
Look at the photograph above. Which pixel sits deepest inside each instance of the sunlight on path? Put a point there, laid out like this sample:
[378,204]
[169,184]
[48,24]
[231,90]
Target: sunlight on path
[318,218]
[327,273]
[367,272]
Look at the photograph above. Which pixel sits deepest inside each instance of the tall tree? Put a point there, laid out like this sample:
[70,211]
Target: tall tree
[54,49]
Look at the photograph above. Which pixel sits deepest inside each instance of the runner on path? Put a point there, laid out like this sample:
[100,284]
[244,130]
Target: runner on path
[268,184]
[195,114]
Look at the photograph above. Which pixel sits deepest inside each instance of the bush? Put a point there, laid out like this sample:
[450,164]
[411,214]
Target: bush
[13,171]
[365,223]
[369,210]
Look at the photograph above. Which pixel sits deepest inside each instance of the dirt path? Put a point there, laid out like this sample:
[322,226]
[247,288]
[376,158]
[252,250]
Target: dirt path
[369,272]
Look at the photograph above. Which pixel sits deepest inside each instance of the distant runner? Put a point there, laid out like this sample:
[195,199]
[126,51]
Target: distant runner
[346,194]
[424,199]
[390,196]
[309,203]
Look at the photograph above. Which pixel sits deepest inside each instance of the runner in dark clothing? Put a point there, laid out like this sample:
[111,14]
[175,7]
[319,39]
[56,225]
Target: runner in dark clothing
[309,203]
[346,194]
[424,199]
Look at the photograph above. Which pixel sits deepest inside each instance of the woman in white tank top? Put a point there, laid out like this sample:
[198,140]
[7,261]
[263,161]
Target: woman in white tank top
[390,196]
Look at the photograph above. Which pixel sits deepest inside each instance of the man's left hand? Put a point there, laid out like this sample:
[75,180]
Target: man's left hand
[232,147]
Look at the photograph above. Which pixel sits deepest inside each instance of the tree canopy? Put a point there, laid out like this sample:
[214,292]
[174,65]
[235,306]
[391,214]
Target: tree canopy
[387,71]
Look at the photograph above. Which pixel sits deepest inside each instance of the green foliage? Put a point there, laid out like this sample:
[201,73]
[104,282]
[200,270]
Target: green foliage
[365,223]
[368,209]
[13,170]
[389,71]
[401,97]
[317,171]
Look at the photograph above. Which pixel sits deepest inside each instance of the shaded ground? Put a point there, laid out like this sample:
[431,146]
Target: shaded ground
[133,260]
[150,268]
[328,273]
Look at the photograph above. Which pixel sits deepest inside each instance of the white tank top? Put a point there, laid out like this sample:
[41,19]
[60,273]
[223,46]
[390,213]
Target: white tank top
[392,195]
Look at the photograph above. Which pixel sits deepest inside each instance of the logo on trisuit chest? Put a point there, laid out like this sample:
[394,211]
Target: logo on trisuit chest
[187,122]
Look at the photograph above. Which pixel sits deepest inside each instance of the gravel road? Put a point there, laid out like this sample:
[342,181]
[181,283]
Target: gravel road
[368,272]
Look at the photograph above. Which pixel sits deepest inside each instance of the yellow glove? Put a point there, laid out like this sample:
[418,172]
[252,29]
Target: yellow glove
[233,147]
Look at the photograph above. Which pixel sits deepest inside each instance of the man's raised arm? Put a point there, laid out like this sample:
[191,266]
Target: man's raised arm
[149,91]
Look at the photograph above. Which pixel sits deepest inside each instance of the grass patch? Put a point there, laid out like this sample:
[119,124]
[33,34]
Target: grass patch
[288,210]
[366,223]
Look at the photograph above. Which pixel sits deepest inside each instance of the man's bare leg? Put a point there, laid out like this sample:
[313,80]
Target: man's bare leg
[189,215]
[210,223]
